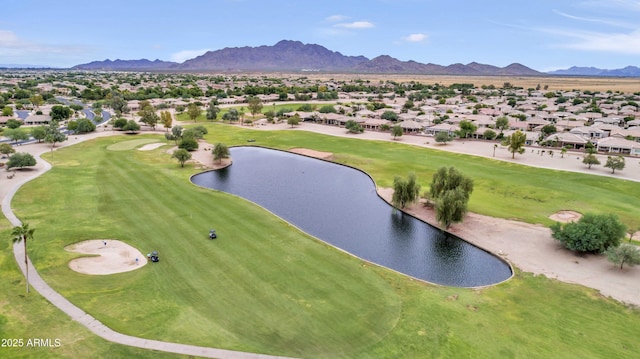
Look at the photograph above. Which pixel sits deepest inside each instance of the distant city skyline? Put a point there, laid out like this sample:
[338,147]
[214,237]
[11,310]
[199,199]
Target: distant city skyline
[544,35]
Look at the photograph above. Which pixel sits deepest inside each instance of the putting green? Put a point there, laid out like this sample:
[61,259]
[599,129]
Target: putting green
[130,145]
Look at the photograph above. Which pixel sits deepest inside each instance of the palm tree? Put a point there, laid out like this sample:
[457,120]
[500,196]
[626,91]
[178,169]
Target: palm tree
[22,233]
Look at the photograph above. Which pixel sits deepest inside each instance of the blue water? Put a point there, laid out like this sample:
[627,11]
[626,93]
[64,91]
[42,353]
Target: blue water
[339,205]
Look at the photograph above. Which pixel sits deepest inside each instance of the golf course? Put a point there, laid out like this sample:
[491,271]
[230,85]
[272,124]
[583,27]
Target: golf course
[264,286]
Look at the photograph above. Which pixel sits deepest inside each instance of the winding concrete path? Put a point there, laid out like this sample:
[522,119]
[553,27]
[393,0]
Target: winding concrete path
[81,316]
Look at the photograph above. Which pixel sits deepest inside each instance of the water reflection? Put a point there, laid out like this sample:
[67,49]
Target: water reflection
[339,205]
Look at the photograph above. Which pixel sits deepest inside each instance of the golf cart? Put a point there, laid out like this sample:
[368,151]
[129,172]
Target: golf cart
[154,257]
[212,234]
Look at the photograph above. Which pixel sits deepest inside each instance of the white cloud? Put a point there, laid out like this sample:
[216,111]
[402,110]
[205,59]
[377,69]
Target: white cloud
[633,5]
[184,55]
[12,45]
[336,18]
[8,38]
[415,38]
[595,20]
[356,25]
[620,43]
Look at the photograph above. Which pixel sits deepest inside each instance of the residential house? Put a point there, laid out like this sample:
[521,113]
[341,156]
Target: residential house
[618,145]
[37,120]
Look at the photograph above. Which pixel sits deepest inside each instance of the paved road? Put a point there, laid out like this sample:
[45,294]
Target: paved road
[89,321]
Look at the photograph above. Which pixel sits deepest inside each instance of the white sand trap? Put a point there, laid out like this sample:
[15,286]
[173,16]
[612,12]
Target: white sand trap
[565,216]
[114,257]
[151,146]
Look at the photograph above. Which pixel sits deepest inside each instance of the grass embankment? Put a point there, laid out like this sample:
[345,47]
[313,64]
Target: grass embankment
[30,316]
[501,189]
[264,286]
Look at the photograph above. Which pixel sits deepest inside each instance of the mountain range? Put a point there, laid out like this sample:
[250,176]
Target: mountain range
[629,71]
[295,56]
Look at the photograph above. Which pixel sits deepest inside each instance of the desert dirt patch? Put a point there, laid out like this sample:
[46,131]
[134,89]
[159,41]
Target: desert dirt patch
[109,256]
[565,216]
[312,153]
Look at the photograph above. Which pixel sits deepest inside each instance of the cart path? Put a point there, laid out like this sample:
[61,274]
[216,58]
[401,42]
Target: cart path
[86,319]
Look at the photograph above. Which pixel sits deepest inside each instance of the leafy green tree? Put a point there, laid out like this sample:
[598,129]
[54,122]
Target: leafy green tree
[615,163]
[166,119]
[451,207]
[13,123]
[21,160]
[353,127]
[7,111]
[515,143]
[72,125]
[131,126]
[59,113]
[97,109]
[327,109]
[232,115]
[119,105]
[490,134]
[119,123]
[181,155]
[148,114]
[443,137]
[220,151]
[197,132]
[76,107]
[502,123]
[194,111]
[390,116]
[467,128]
[16,134]
[591,233]
[270,115]
[177,133]
[6,149]
[84,125]
[396,131]
[624,253]
[213,110]
[188,143]
[293,120]
[306,107]
[19,234]
[54,135]
[590,159]
[405,191]
[450,190]
[255,105]
[548,130]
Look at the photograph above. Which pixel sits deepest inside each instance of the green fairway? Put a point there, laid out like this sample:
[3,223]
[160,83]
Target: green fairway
[264,286]
[30,316]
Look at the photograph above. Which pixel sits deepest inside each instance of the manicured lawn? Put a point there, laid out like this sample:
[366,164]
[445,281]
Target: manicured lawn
[264,286]
[501,189]
[30,316]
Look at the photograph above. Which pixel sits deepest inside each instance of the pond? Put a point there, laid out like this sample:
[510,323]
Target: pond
[339,205]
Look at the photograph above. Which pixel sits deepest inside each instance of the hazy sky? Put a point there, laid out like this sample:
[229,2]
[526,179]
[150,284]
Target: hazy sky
[542,34]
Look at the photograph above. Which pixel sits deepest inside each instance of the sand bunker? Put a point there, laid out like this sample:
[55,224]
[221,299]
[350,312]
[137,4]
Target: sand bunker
[151,146]
[565,216]
[312,153]
[113,257]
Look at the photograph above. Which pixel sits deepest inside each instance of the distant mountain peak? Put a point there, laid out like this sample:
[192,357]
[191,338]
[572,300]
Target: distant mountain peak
[628,71]
[291,55]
